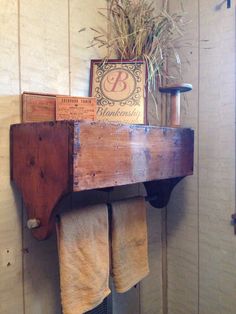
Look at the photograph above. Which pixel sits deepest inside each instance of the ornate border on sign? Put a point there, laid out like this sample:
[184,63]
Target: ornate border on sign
[134,69]
[119,84]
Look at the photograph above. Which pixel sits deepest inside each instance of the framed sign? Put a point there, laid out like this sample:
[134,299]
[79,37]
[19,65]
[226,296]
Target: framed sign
[120,89]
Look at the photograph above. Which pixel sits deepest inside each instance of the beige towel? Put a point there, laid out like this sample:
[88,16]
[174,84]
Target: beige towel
[83,248]
[129,243]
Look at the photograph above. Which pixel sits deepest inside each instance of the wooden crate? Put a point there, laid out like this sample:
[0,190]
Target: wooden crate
[52,159]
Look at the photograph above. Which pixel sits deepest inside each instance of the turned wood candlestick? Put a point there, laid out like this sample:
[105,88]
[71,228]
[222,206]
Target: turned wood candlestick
[174,91]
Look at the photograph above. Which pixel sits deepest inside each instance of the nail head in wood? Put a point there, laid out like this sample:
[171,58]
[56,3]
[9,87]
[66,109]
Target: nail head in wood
[33,223]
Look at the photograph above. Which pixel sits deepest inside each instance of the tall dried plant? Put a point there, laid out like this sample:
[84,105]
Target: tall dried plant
[136,32]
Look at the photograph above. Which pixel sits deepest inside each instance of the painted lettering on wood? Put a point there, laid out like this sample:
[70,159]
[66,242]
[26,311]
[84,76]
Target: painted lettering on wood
[120,89]
[75,108]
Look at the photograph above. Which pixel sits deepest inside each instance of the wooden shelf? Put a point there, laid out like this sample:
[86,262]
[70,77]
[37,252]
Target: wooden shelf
[52,159]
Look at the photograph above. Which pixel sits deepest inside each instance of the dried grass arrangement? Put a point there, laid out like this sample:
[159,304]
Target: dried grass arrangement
[136,32]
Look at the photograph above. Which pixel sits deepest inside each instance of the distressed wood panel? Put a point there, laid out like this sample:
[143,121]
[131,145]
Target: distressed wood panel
[10,204]
[217,159]
[44,68]
[182,215]
[91,155]
[129,154]
[41,173]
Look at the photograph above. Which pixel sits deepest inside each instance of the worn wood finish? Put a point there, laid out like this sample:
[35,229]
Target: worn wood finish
[41,168]
[38,107]
[52,159]
[109,154]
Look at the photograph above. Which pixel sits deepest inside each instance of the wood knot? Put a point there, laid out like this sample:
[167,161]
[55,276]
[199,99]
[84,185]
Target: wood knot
[42,174]
[32,161]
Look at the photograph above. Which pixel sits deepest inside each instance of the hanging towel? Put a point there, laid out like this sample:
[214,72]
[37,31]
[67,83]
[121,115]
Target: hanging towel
[83,248]
[129,243]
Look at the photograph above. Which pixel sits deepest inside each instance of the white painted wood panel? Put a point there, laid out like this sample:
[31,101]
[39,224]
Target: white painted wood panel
[84,14]
[44,46]
[10,204]
[182,215]
[217,273]
[44,68]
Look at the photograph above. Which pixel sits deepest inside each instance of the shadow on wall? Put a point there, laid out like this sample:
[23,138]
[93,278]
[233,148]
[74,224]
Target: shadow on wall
[180,208]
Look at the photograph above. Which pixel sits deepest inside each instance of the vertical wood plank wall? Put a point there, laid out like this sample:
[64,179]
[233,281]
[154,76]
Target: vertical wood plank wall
[10,206]
[217,243]
[41,50]
[182,211]
[201,243]
[44,68]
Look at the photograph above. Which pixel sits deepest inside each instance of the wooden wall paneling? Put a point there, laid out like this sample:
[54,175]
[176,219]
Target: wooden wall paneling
[217,159]
[84,14]
[182,211]
[11,288]
[44,46]
[44,68]
[151,287]
[126,303]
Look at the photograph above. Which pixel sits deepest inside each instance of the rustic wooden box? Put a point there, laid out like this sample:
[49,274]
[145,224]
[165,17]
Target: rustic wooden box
[51,159]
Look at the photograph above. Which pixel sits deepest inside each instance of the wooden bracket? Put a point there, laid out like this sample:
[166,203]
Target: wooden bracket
[159,191]
[40,167]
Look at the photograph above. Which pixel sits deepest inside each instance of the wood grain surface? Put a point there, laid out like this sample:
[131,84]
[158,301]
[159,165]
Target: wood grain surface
[111,154]
[51,159]
[40,161]
[38,107]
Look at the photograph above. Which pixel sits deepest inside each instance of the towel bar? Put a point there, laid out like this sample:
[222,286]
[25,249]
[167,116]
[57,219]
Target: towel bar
[52,159]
